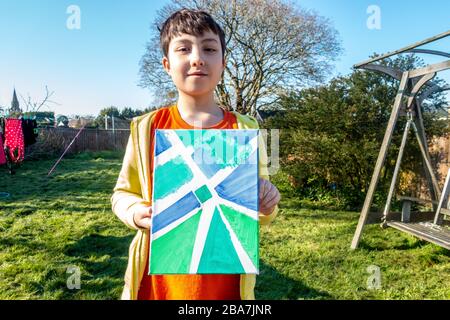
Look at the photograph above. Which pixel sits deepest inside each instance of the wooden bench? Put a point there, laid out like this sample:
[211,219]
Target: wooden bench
[427,231]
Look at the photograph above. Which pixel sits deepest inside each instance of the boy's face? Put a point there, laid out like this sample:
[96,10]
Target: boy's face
[195,63]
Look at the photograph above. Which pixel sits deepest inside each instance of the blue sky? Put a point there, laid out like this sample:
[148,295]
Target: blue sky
[97,66]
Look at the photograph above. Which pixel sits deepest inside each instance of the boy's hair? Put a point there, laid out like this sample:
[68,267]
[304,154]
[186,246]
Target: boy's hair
[189,21]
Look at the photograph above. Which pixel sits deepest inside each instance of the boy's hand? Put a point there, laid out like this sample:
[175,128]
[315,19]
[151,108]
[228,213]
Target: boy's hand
[142,217]
[269,196]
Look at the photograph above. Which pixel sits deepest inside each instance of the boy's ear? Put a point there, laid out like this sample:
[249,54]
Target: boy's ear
[166,64]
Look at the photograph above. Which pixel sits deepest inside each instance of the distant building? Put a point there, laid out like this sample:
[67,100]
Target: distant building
[62,121]
[80,122]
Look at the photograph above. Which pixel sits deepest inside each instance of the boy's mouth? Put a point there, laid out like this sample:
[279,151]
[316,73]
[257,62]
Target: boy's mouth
[198,74]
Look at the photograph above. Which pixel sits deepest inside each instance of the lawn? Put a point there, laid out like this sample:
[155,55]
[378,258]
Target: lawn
[49,224]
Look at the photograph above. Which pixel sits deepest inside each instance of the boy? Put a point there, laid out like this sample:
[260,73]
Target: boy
[193,45]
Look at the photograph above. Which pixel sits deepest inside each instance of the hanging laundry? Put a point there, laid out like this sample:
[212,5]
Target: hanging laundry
[29,132]
[2,152]
[2,128]
[14,140]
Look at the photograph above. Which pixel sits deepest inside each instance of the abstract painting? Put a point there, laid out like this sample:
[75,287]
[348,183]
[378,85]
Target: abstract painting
[205,202]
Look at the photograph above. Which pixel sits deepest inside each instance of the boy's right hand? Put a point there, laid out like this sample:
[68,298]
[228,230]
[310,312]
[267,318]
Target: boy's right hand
[142,217]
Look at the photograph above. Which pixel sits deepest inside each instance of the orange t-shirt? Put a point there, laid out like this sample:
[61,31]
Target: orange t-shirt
[187,287]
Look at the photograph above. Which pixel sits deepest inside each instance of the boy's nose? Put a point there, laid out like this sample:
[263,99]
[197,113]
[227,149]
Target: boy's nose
[196,60]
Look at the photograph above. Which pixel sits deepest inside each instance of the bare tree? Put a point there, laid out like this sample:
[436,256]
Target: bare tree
[34,106]
[272,46]
[3,111]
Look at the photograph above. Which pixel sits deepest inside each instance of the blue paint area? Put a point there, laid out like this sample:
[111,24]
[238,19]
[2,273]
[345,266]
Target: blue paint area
[205,162]
[179,209]
[241,186]
[245,136]
[161,142]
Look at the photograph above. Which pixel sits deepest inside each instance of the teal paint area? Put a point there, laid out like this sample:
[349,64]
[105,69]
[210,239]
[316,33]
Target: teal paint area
[220,147]
[217,149]
[219,254]
[165,183]
[203,194]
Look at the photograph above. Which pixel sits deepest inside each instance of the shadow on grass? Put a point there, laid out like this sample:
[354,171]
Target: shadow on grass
[82,173]
[98,246]
[271,285]
[292,203]
[104,258]
[401,243]
[397,246]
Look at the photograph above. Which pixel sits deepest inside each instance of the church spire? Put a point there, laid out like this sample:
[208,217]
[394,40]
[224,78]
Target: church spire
[15,107]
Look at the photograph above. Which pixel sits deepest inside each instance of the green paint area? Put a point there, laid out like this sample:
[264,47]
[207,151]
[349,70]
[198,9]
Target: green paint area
[171,176]
[246,230]
[203,194]
[172,252]
[225,147]
[219,254]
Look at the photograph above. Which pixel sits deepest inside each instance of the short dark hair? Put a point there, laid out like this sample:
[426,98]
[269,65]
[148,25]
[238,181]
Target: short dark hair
[189,21]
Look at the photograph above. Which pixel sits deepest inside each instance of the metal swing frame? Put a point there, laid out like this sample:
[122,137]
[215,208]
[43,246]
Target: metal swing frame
[408,103]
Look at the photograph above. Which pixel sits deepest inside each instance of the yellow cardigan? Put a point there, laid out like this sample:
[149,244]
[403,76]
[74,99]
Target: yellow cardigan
[132,190]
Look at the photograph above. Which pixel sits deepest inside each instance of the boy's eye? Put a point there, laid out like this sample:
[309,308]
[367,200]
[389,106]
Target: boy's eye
[186,49]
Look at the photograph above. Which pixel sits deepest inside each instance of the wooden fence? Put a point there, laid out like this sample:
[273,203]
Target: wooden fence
[88,140]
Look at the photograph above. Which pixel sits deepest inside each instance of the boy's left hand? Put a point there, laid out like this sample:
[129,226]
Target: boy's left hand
[269,196]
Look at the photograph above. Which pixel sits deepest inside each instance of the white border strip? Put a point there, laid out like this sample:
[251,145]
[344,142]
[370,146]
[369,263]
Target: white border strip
[202,234]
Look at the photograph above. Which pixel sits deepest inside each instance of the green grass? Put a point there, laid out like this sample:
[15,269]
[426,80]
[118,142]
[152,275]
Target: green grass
[305,255]
[51,223]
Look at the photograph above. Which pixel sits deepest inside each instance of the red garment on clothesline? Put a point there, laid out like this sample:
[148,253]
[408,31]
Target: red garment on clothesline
[14,139]
[2,152]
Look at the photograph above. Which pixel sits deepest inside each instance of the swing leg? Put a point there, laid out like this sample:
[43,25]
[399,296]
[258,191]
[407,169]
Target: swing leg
[396,171]
[427,160]
[381,158]
[442,200]
[431,179]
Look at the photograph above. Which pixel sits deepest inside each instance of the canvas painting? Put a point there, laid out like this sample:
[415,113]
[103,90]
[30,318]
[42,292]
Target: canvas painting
[205,202]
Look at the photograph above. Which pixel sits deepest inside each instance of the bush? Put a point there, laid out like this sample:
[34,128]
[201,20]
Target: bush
[49,145]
